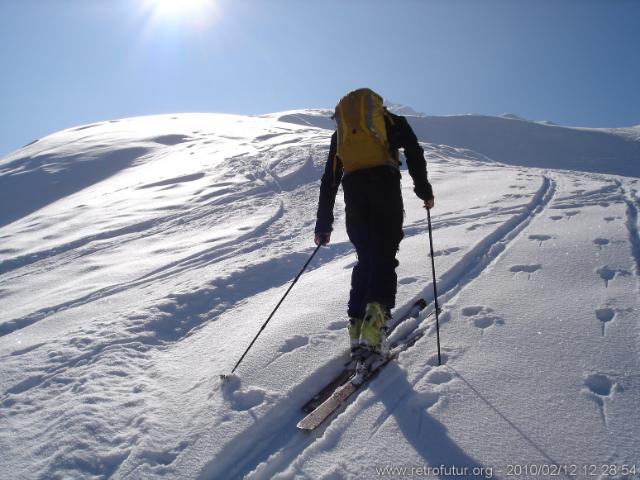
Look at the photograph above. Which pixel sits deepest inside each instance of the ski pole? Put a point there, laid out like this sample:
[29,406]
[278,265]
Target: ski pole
[435,290]
[274,311]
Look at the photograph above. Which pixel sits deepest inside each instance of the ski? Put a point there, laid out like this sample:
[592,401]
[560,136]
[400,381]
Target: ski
[349,368]
[344,375]
[340,396]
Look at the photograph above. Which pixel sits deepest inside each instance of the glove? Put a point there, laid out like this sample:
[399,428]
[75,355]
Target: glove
[322,238]
[429,203]
[427,196]
[423,190]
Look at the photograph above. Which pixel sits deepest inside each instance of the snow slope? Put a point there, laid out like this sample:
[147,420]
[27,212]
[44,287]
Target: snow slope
[139,257]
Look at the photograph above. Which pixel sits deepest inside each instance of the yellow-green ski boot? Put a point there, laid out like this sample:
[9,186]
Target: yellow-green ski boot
[355,327]
[373,331]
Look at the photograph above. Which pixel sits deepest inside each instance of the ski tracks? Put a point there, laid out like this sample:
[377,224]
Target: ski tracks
[277,212]
[280,450]
[631,198]
[479,257]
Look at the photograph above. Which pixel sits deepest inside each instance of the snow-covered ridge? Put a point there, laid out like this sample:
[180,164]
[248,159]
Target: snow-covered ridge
[139,257]
[400,109]
[515,141]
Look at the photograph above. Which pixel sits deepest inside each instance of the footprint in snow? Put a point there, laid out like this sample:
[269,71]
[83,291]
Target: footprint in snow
[241,400]
[567,215]
[602,242]
[529,269]
[540,238]
[600,384]
[446,251]
[337,325]
[471,311]
[433,359]
[482,317]
[162,457]
[600,388]
[607,274]
[605,315]
[407,280]
[294,343]
[439,377]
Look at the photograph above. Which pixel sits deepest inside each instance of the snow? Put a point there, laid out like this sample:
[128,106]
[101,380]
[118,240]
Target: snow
[511,116]
[400,109]
[140,257]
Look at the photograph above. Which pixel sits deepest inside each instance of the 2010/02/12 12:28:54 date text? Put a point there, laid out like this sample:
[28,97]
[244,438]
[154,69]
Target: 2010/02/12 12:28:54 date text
[590,470]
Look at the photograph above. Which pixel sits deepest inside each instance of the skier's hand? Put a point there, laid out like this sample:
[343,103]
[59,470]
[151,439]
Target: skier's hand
[322,238]
[429,203]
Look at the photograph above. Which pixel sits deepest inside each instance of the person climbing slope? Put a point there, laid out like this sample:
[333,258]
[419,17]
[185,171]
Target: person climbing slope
[364,157]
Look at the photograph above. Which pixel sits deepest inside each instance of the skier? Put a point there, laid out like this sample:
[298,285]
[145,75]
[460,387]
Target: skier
[364,157]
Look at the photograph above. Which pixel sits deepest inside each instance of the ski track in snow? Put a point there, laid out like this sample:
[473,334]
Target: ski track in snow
[242,244]
[480,257]
[632,222]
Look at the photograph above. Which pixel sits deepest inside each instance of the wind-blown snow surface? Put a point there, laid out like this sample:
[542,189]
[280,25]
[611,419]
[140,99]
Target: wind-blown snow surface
[138,258]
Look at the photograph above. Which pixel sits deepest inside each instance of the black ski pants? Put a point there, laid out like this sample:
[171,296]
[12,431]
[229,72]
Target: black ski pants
[374,216]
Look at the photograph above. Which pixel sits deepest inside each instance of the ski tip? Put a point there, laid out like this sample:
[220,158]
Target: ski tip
[302,426]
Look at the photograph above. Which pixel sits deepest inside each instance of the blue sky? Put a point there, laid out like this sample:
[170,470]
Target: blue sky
[70,62]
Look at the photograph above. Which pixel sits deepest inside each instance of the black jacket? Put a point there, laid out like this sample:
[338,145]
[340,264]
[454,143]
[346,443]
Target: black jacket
[400,135]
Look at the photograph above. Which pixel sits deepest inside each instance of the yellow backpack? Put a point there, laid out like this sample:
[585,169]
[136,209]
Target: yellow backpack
[362,133]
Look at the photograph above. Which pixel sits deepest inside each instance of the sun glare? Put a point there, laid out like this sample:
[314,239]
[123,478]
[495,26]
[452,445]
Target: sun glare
[201,10]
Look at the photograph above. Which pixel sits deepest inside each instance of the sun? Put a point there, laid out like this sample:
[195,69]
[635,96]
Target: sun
[182,8]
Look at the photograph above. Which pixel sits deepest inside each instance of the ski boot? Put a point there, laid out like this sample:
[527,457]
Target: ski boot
[373,339]
[373,333]
[355,327]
